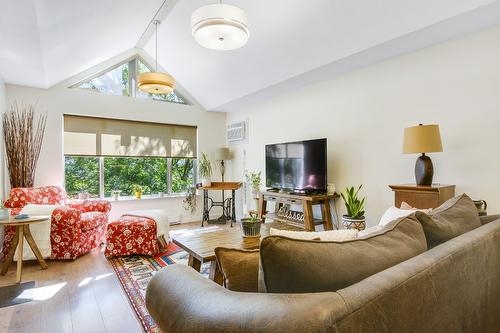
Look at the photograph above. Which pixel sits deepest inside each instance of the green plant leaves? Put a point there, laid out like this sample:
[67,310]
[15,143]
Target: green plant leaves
[354,205]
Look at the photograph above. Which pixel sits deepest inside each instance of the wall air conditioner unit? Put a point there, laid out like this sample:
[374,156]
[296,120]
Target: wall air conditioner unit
[236,132]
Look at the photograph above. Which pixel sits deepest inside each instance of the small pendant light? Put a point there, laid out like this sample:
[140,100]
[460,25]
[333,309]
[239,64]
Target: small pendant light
[156,82]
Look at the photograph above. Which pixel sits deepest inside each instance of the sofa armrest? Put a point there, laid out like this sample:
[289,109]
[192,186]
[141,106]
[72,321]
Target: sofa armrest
[489,218]
[181,300]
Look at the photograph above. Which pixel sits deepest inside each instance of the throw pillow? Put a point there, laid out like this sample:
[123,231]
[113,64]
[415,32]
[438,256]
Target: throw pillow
[32,209]
[303,266]
[240,268]
[393,213]
[454,217]
[330,235]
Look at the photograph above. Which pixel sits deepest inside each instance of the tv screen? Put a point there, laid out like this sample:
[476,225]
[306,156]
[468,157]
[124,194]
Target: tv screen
[297,165]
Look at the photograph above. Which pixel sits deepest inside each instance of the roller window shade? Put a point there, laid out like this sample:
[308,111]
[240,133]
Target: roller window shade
[89,136]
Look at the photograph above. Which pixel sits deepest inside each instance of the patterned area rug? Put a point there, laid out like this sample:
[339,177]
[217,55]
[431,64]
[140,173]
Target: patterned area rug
[135,272]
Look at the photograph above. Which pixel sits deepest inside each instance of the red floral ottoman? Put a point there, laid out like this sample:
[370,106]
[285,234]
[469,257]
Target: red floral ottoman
[131,235]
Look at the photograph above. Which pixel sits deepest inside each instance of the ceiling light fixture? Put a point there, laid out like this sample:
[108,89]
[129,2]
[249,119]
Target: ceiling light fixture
[156,82]
[220,27]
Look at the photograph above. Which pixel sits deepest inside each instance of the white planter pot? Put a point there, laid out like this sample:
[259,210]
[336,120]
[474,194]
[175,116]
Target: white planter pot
[352,223]
[206,182]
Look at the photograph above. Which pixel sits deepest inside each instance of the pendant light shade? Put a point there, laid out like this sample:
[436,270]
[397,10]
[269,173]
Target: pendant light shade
[156,82]
[220,27]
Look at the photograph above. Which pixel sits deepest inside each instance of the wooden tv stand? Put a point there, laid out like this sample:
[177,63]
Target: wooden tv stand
[303,219]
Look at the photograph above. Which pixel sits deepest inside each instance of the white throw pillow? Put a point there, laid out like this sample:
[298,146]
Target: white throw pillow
[393,213]
[40,209]
[331,235]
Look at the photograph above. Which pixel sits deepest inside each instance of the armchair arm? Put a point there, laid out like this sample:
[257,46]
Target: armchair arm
[86,206]
[181,300]
[64,223]
[102,206]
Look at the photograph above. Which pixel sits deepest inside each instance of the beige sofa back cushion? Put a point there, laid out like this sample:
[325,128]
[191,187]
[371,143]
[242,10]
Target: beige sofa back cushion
[454,217]
[301,266]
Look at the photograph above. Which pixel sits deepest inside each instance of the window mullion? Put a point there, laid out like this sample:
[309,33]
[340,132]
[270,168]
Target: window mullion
[101,177]
[169,176]
[132,77]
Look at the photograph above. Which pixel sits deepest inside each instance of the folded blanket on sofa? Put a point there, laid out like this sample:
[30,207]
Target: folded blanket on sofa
[161,219]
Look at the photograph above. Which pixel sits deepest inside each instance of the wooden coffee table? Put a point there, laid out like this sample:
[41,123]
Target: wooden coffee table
[201,245]
[22,232]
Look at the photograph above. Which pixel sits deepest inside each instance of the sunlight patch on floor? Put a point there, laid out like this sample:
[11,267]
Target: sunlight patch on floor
[42,293]
[190,232]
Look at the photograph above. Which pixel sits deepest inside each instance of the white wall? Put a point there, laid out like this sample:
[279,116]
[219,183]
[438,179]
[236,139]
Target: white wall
[61,100]
[2,157]
[454,84]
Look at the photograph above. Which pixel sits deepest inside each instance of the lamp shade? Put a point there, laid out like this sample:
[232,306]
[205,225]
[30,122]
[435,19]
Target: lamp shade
[222,154]
[220,27]
[422,139]
[156,83]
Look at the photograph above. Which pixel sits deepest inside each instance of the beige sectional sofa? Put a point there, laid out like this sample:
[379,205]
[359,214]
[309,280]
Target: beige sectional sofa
[452,287]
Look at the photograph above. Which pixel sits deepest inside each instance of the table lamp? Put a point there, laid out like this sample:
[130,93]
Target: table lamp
[222,154]
[422,139]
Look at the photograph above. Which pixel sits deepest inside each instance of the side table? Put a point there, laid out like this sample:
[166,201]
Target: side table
[22,232]
[228,205]
[422,196]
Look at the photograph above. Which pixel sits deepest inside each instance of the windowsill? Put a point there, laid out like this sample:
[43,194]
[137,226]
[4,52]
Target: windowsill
[145,197]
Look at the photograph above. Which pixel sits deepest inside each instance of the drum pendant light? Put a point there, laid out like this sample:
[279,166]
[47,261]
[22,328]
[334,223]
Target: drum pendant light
[220,27]
[156,82]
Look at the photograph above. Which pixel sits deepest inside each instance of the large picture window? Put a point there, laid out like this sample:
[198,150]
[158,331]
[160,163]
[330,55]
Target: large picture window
[106,155]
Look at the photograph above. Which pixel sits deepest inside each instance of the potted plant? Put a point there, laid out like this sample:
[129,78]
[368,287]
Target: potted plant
[116,194]
[137,191]
[205,168]
[355,217]
[190,200]
[254,180]
[251,225]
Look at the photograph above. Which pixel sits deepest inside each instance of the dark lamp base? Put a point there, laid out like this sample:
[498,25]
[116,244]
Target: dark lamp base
[424,171]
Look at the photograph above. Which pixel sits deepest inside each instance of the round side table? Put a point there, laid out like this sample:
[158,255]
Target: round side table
[22,232]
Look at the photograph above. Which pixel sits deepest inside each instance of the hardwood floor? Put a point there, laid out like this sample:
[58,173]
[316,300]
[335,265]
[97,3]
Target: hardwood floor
[77,296]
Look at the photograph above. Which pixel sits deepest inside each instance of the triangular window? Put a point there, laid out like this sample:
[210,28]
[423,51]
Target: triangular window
[122,80]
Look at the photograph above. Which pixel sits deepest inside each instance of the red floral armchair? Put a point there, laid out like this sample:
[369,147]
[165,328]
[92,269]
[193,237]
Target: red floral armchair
[75,229]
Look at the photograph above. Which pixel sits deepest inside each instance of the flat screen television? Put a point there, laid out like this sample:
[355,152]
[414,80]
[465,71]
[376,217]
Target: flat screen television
[297,166]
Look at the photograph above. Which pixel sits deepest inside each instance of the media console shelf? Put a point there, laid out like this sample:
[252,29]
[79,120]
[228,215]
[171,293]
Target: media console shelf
[304,219]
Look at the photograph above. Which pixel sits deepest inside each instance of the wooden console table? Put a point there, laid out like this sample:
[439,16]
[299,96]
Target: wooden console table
[307,221]
[422,196]
[228,205]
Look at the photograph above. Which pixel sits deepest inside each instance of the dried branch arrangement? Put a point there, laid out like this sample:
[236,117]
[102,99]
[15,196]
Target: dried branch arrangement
[23,142]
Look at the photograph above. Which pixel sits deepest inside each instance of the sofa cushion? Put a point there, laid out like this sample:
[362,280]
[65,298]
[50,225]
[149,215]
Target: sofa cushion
[240,268]
[298,266]
[456,216]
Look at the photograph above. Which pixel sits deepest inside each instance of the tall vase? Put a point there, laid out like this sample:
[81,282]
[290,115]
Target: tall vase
[23,141]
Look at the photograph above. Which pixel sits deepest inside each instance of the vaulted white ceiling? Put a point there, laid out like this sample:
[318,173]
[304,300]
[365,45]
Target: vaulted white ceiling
[292,42]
